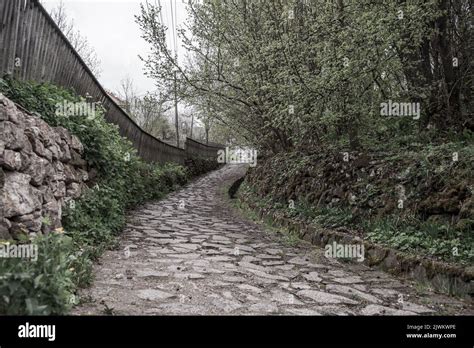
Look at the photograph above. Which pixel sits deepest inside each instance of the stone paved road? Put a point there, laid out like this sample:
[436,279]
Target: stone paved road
[191,254]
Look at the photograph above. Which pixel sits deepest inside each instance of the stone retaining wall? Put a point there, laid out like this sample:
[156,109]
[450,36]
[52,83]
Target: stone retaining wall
[41,168]
[440,276]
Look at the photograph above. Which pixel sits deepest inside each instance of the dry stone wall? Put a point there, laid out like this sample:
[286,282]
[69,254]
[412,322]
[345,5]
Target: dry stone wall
[41,168]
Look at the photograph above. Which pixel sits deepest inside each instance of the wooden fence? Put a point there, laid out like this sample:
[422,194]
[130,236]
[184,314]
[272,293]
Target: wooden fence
[33,48]
[197,149]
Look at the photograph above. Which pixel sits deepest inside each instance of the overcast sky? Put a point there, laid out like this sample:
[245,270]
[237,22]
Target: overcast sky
[110,27]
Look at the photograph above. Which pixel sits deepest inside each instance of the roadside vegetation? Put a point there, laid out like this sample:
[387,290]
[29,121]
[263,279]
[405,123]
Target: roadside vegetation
[361,111]
[121,181]
[419,201]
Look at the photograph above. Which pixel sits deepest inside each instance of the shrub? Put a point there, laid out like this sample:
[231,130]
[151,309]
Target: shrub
[45,286]
[91,224]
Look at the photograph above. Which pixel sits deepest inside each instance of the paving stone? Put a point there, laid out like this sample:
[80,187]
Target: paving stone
[299,261]
[263,307]
[247,287]
[267,275]
[185,256]
[413,307]
[151,274]
[251,265]
[348,291]
[206,260]
[190,246]
[273,263]
[153,294]
[220,258]
[285,298]
[189,276]
[274,251]
[226,305]
[382,310]
[291,274]
[244,248]
[349,280]
[385,292]
[268,257]
[312,276]
[303,311]
[324,297]
[248,258]
[302,286]
[234,279]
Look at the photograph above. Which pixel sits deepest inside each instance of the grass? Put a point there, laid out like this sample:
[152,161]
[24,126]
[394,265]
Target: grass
[408,234]
[93,223]
[286,236]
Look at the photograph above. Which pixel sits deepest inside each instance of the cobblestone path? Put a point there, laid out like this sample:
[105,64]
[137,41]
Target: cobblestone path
[191,254]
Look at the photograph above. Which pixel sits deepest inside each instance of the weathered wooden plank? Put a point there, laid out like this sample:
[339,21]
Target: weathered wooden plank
[3,31]
[9,15]
[55,55]
[44,51]
[33,41]
[14,36]
[36,53]
[47,57]
[30,33]
[22,41]
[27,41]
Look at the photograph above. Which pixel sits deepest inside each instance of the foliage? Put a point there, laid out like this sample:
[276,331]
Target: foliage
[123,180]
[41,287]
[433,240]
[306,74]
[442,242]
[304,81]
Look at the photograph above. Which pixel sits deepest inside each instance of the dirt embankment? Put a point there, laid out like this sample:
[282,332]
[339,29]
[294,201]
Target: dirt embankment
[434,184]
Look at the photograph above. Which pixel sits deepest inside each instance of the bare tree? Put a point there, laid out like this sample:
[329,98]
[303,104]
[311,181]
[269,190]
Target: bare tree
[148,111]
[128,93]
[77,40]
